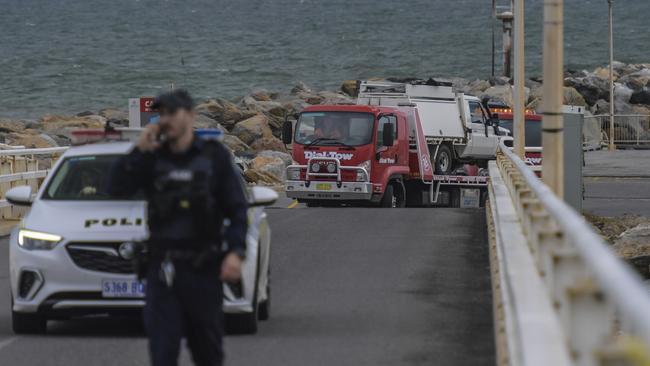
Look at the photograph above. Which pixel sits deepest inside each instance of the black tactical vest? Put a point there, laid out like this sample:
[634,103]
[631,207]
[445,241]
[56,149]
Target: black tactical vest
[181,205]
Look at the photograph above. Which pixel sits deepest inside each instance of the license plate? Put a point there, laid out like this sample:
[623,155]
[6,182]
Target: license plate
[323,186]
[123,288]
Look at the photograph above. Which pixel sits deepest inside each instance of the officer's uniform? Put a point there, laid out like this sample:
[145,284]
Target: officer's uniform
[189,195]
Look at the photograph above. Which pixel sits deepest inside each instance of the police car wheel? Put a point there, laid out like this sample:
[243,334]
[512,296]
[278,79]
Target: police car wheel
[264,310]
[246,323]
[23,323]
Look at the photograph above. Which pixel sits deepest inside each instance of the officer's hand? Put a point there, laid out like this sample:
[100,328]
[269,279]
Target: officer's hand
[231,268]
[148,140]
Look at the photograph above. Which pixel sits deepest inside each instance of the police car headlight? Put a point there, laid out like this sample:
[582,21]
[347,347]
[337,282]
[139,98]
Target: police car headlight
[293,173]
[35,240]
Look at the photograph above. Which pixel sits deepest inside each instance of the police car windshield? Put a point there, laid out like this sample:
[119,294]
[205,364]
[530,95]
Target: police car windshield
[83,178]
[334,128]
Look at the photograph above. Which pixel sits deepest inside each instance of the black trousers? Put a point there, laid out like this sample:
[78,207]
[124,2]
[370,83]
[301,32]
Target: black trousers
[191,308]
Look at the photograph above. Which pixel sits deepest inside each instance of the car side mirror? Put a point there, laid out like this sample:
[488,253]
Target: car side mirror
[287,132]
[262,196]
[20,196]
[388,136]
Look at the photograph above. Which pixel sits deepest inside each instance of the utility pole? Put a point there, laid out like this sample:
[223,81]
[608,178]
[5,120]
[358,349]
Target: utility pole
[612,146]
[519,90]
[494,17]
[553,92]
[506,18]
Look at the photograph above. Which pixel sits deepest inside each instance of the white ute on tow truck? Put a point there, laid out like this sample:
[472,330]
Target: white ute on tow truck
[457,127]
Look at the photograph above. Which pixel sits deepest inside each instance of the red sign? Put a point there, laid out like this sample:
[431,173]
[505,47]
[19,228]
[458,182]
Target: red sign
[145,104]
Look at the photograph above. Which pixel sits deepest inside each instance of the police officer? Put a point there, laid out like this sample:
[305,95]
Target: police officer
[191,186]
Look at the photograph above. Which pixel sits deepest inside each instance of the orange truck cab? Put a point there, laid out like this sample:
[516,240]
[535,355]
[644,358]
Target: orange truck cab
[356,154]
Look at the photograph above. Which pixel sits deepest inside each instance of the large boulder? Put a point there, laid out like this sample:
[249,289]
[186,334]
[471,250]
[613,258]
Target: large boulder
[500,93]
[261,95]
[600,107]
[637,80]
[267,107]
[236,145]
[603,73]
[222,111]
[572,97]
[62,125]
[29,140]
[286,158]
[350,87]
[9,125]
[300,87]
[633,245]
[116,117]
[311,98]
[273,166]
[331,98]
[295,106]
[476,87]
[622,96]
[252,129]
[590,87]
[499,80]
[261,178]
[641,97]
[268,143]
[203,121]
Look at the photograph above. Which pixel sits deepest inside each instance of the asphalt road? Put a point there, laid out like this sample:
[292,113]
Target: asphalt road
[615,196]
[617,182]
[350,287]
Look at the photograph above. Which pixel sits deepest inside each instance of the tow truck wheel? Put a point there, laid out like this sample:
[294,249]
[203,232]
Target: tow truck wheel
[444,161]
[28,323]
[394,197]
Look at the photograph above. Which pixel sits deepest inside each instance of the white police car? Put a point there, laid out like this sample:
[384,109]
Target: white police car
[72,253]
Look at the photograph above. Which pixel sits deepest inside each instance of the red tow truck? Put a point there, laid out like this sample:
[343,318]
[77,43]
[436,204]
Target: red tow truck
[371,156]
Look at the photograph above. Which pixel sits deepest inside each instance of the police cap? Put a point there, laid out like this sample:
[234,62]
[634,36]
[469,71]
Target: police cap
[172,101]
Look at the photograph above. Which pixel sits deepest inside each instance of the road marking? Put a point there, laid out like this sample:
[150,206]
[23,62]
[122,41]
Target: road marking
[293,204]
[7,342]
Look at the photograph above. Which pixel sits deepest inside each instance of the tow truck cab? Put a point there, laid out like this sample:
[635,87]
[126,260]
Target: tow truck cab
[349,154]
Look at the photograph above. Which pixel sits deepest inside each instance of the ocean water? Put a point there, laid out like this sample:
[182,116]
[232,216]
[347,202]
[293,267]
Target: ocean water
[67,56]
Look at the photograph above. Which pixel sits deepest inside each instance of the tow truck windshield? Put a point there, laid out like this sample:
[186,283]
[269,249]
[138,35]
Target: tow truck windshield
[82,178]
[334,128]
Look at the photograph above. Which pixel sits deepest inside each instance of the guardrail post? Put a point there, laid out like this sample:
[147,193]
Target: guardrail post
[591,320]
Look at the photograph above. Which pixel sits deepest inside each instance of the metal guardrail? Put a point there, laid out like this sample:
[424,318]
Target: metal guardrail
[20,166]
[629,129]
[556,280]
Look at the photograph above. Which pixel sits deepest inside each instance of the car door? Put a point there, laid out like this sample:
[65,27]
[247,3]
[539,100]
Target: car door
[484,142]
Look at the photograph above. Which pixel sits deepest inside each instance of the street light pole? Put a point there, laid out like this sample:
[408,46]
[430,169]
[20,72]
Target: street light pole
[553,95]
[519,90]
[611,78]
[494,17]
